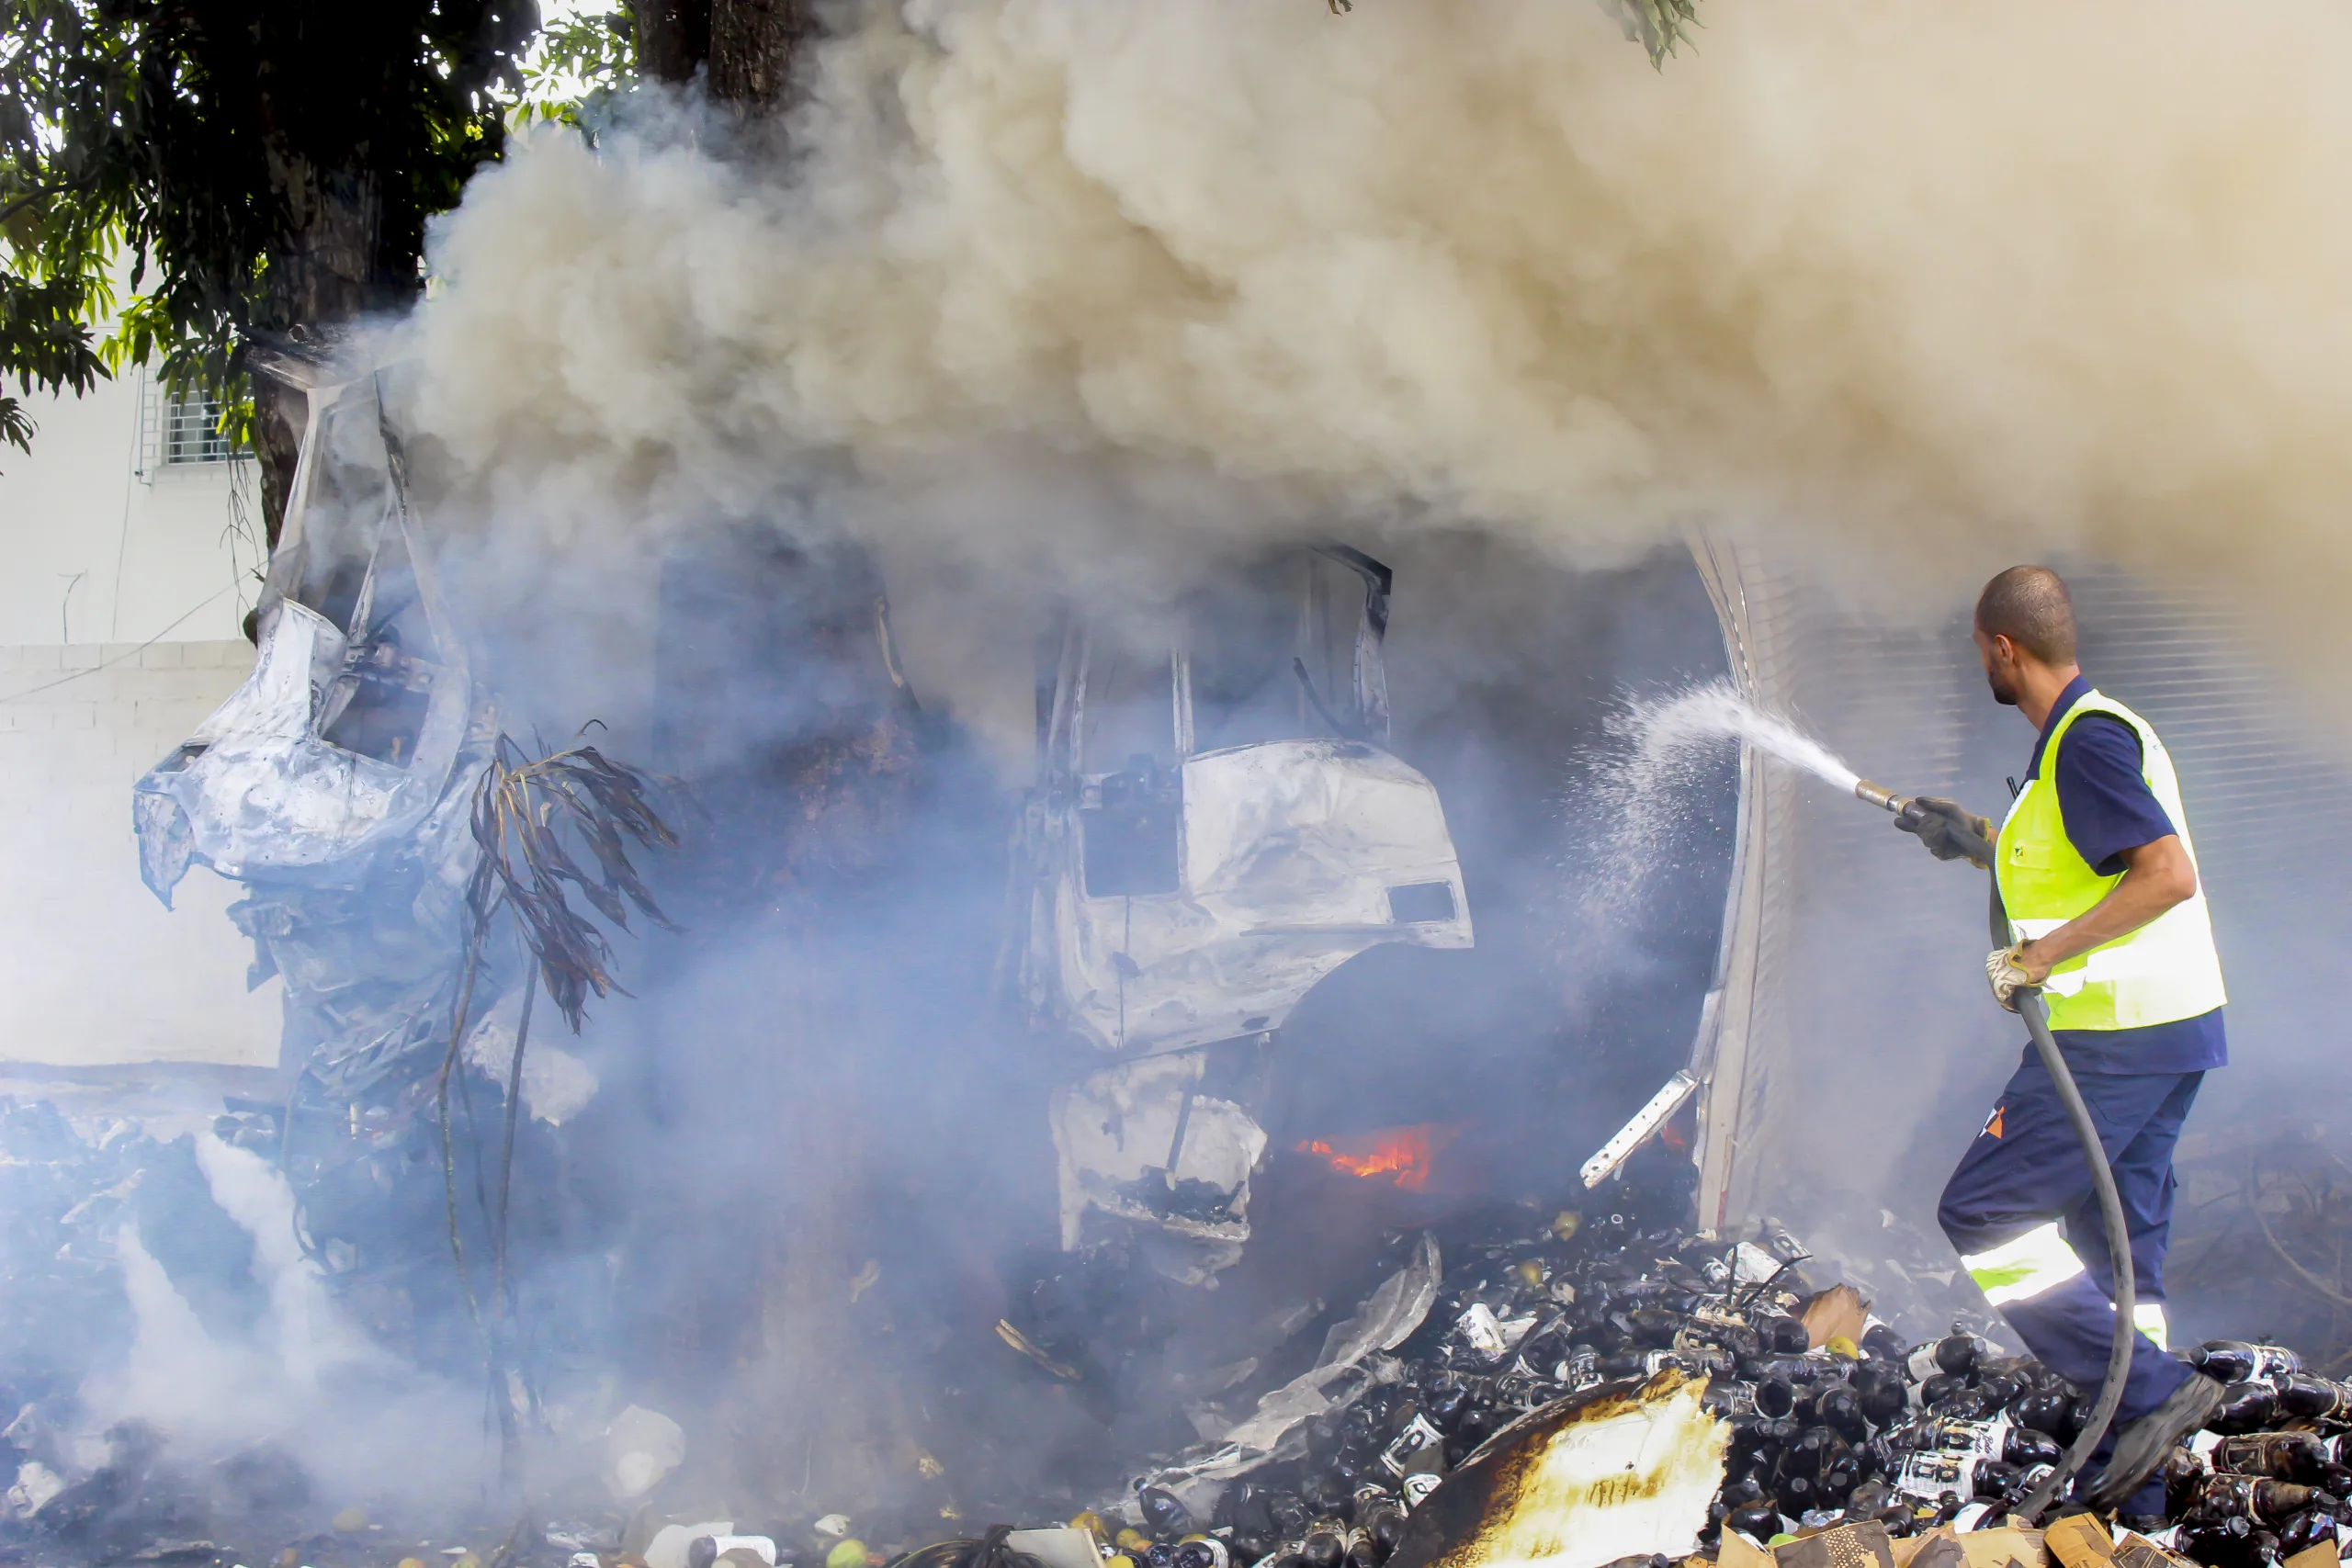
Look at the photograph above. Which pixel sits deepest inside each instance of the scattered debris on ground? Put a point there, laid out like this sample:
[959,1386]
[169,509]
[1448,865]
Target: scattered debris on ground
[1519,1385]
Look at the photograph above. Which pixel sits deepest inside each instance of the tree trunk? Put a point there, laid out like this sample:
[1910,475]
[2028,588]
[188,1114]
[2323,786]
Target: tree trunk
[753,44]
[673,39]
[777,705]
[748,47]
[332,268]
[813,1414]
[278,414]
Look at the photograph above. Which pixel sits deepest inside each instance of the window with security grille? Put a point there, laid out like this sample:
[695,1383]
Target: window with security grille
[191,431]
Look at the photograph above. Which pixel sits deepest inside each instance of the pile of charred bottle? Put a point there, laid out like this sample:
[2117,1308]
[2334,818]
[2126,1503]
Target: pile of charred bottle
[1911,1437]
[1518,1322]
[2244,1494]
[1952,1432]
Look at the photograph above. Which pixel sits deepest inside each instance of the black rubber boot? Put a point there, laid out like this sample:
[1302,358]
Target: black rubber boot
[2143,1445]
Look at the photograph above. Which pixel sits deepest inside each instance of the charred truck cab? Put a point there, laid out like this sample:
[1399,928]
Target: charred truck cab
[336,784]
[346,737]
[1217,825]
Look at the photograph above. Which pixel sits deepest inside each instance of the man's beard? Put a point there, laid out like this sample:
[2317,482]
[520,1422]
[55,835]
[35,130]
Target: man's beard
[2007,695]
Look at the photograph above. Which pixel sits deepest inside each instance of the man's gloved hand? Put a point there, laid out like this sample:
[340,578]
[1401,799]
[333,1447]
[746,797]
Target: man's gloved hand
[1934,820]
[2005,970]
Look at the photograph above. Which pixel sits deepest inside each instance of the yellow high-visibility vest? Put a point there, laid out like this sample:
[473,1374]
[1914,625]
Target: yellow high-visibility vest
[2165,971]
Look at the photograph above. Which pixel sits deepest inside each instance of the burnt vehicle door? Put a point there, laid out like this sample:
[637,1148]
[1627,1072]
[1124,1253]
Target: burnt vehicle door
[344,737]
[1218,826]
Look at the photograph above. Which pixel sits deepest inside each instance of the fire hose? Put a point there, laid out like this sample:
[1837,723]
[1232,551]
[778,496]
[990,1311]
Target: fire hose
[2031,1009]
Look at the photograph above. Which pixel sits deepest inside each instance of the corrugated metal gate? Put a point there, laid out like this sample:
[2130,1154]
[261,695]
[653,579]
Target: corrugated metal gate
[1849,1050]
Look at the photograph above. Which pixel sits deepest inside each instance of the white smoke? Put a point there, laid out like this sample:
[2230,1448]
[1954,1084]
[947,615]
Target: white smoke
[306,1377]
[1911,287]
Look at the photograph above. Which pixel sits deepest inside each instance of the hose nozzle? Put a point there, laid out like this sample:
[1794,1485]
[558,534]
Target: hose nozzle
[1881,796]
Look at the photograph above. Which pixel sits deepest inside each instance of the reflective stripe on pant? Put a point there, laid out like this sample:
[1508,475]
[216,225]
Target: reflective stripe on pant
[2041,1260]
[2023,1190]
[2022,1269]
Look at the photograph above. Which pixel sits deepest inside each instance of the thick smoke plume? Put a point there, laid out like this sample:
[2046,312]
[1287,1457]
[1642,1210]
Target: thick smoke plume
[1912,288]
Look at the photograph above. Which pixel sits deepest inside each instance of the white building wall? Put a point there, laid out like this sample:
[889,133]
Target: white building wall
[119,630]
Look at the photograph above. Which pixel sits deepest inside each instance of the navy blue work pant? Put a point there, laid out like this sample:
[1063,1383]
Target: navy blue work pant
[2026,1171]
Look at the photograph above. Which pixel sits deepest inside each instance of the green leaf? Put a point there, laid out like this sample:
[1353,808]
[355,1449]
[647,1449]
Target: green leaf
[1658,26]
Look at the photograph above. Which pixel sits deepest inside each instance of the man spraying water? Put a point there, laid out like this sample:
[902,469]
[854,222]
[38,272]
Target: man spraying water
[2099,876]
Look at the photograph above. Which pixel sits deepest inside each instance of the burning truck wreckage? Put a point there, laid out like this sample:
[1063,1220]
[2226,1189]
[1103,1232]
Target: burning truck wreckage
[1238,1339]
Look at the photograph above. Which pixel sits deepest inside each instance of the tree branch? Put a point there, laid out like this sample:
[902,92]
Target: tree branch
[10,209]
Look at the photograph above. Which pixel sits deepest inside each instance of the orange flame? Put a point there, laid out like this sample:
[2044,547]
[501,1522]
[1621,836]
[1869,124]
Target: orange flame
[1403,1155]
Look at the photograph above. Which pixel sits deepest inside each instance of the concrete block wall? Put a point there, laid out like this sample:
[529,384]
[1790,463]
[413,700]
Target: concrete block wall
[94,970]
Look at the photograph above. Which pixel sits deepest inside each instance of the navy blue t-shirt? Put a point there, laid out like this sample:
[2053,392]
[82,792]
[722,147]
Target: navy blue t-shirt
[2108,809]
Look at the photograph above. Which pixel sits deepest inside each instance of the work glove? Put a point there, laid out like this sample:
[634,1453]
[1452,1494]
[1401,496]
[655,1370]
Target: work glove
[1934,820]
[2001,967]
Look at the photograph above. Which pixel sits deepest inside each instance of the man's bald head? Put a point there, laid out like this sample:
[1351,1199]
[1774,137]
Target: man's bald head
[2030,607]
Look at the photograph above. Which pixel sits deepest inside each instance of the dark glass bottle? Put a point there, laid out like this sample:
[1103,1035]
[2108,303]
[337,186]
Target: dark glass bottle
[1882,1344]
[1328,1492]
[1868,1498]
[1939,1386]
[2025,1446]
[1839,1408]
[1802,1456]
[2246,1407]
[1963,1405]
[1960,1353]
[2182,1472]
[1323,1548]
[1242,1507]
[1898,1520]
[1781,1334]
[1743,1450]
[2306,1530]
[2042,1411]
[1995,1479]
[1728,1399]
[2288,1456]
[1882,1392]
[2311,1397]
[1448,1399]
[2221,1544]
[2235,1360]
[2000,1387]
[1164,1514]
[2258,1497]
